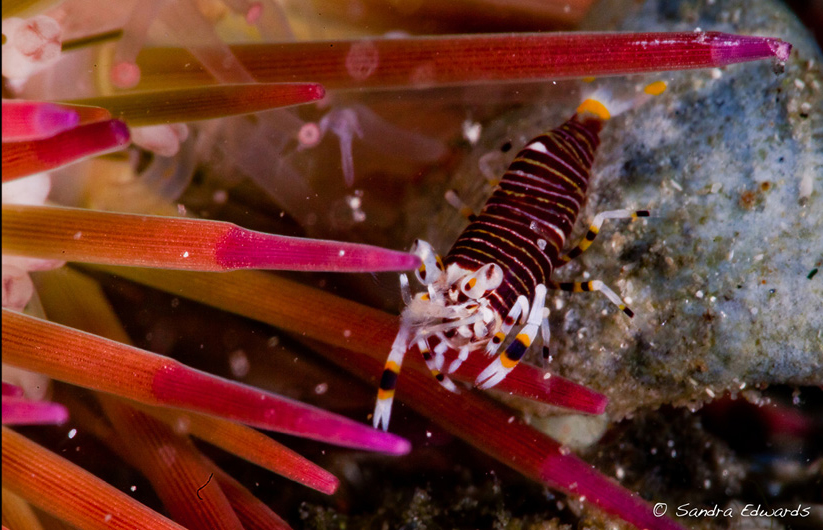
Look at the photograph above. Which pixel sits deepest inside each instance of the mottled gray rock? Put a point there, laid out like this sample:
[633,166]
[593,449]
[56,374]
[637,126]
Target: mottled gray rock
[730,162]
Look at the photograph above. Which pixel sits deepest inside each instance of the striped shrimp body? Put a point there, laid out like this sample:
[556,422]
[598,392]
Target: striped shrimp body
[498,272]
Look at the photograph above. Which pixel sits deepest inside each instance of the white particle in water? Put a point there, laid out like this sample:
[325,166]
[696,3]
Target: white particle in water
[471,131]
[220,197]
[354,202]
[239,364]
[72,433]
[321,389]
[181,425]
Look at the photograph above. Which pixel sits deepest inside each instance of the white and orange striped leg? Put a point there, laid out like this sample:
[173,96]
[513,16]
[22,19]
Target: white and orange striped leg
[388,381]
[506,361]
[447,383]
[594,229]
[521,306]
[594,285]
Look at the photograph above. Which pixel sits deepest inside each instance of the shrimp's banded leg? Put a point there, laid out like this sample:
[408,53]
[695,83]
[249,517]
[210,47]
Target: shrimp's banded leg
[594,229]
[506,361]
[388,381]
[594,285]
[545,332]
[447,383]
[521,306]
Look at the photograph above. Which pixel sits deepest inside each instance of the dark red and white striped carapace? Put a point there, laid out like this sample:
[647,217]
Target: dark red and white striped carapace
[498,272]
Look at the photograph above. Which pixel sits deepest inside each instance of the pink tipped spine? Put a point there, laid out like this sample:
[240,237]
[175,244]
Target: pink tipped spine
[424,62]
[18,411]
[533,383]
[33,120]
[10,390]
[178,385]
[530,382]
[26,158]
[60,352]
[179,243]
[569,473]
[240,248]
[729,49]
